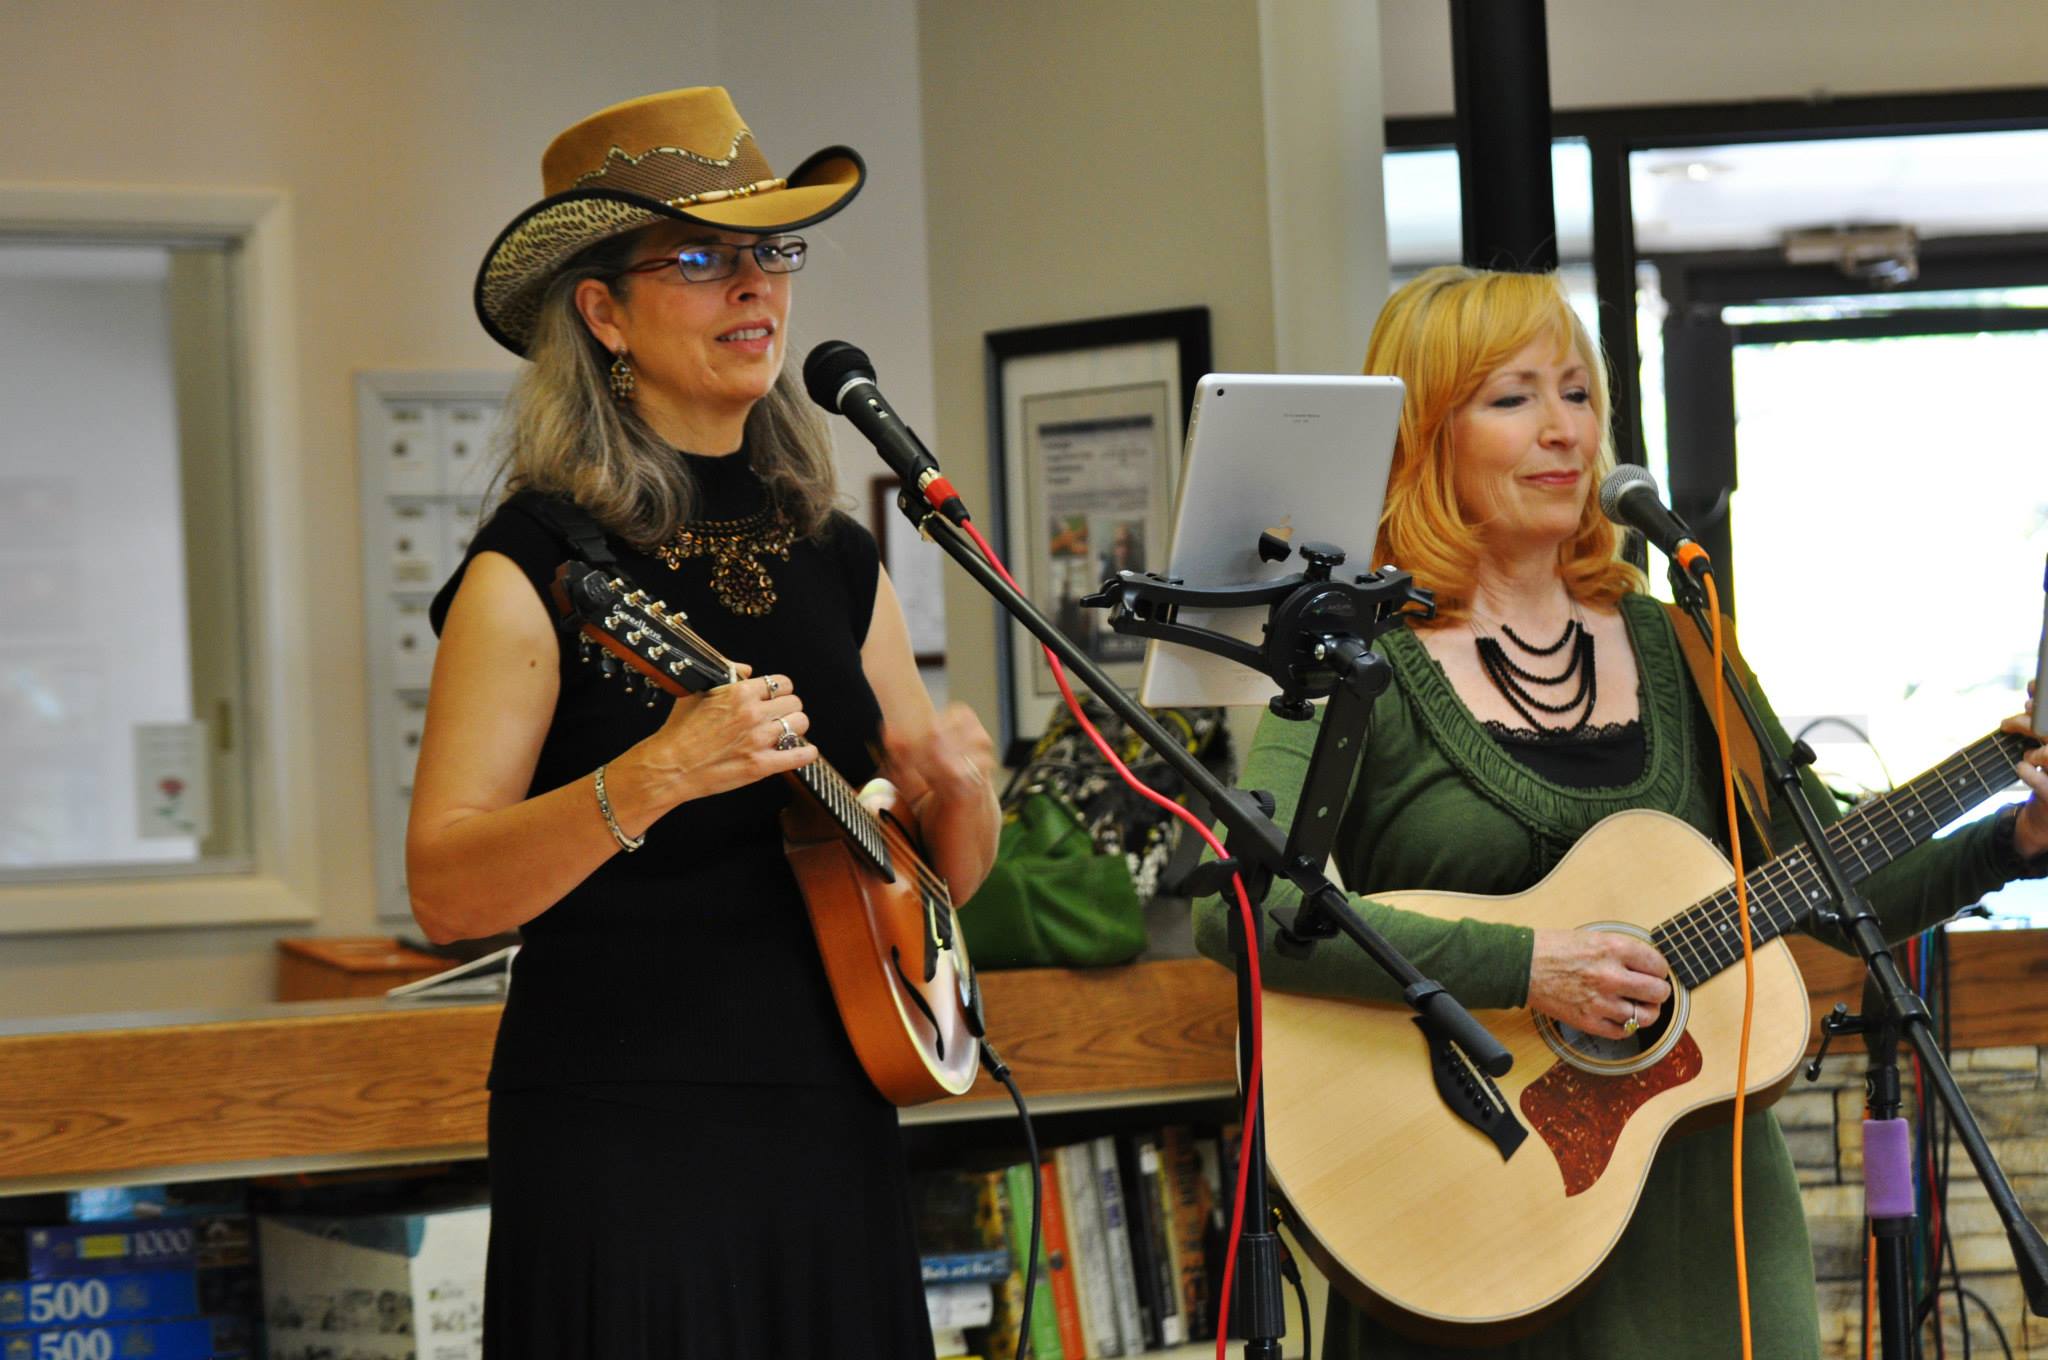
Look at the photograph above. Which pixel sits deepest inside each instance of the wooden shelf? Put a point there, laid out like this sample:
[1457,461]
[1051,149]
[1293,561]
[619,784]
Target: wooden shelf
[329,1084]
[355,1083]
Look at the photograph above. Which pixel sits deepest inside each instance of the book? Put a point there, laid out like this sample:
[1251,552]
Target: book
[1158,1285]
[1059,1266]
[959,1305]
[962,1267]
[1089,1251]
[1031,1261]
[1188,1203]
[1116,1233]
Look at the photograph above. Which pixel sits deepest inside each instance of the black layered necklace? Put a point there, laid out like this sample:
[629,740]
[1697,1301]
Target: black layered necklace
[1513,681]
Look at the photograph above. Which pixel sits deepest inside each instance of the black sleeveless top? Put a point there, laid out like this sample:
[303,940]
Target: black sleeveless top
[693,959]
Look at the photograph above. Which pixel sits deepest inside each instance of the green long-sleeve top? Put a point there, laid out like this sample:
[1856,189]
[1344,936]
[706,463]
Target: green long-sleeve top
[1438,804]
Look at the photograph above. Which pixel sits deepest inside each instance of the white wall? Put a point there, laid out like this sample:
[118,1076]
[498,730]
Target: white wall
[1606,52]
[407,136]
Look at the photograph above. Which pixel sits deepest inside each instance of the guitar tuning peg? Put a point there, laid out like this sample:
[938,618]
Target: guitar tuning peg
[651,696]
[584,647]
[607,664]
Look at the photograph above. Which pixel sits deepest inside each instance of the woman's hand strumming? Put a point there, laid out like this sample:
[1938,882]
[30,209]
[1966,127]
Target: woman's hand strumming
[1597,980]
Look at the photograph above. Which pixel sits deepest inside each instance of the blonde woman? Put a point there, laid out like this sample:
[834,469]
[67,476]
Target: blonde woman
[686,1157]
[1548,693]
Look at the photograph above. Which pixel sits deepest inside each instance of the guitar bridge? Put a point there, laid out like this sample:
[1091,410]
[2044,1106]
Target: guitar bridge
[1469,1092]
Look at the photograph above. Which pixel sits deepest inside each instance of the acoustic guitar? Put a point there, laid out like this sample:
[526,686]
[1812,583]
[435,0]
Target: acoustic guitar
[883,919]
[1464,1211]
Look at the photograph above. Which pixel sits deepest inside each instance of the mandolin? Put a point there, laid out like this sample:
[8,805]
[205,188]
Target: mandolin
[1464,1211]
[882,916]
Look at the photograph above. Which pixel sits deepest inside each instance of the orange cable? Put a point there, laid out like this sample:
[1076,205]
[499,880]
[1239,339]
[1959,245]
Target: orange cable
[1748,963]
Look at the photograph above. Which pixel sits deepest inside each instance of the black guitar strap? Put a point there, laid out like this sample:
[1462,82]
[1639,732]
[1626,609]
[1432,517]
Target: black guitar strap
[574,526]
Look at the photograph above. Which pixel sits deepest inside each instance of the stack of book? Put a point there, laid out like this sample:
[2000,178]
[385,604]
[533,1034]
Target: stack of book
[175,1285]
[1129,1253]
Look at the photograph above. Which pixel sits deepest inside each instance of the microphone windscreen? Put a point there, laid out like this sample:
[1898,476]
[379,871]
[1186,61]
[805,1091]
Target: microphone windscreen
[1619,483]
[827,368]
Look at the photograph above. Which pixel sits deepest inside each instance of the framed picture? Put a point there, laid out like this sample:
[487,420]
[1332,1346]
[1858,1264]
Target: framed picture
[1086,420]
[914,567]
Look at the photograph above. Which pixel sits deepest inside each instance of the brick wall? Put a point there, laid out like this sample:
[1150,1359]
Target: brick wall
[1823,1124]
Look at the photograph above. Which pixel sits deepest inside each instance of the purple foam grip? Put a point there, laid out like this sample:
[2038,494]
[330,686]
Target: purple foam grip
[1887,1168]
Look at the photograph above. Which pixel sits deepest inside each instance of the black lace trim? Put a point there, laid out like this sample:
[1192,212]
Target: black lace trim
[1564,736]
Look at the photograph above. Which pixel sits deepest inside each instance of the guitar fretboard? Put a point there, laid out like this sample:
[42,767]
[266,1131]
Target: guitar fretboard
[1707,937]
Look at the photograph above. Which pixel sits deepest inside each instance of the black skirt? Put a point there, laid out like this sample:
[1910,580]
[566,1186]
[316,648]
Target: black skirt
[700,1222]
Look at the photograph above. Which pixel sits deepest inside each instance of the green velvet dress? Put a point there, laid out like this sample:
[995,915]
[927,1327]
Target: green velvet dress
[1439,804]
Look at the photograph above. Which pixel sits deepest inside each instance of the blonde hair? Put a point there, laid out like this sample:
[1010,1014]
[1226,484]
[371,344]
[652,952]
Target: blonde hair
[1443,334]
[567,436]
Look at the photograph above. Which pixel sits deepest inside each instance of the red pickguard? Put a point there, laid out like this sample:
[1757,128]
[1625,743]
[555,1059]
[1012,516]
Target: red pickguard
[1581,1116]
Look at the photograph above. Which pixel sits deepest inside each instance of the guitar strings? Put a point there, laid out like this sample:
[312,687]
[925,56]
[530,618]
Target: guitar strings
[1962,780]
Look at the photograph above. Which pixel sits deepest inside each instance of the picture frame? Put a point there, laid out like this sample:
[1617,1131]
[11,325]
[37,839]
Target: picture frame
[1086,425]
[915,567]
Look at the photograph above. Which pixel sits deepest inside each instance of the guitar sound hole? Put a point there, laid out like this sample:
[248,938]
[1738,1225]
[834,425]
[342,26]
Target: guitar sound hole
[1622,1054]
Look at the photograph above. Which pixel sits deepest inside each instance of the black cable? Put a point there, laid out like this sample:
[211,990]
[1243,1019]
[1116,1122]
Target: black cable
[993,1062]
[1292,1273]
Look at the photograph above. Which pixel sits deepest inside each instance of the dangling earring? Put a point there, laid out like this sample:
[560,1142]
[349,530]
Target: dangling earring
[622,378]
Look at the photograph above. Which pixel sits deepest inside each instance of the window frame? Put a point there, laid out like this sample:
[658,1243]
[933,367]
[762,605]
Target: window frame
[281,882]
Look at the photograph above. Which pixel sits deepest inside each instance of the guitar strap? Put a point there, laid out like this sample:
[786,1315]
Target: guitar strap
[574,526]
[1742,747]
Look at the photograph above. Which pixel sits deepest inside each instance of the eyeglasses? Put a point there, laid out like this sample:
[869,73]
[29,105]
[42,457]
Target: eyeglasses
[708,261]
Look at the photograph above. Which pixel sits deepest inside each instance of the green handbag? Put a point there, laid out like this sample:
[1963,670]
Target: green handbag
[1052,900]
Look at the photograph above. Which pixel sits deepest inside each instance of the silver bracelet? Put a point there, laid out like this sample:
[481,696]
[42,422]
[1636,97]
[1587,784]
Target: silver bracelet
[626,843]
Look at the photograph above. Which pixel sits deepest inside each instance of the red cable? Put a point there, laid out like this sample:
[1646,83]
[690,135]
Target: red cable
[1251,932]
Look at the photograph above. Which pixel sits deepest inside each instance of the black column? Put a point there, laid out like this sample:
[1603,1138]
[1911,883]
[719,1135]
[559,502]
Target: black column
[1500,68]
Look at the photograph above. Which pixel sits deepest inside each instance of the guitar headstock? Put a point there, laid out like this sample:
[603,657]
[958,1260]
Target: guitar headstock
[633,629]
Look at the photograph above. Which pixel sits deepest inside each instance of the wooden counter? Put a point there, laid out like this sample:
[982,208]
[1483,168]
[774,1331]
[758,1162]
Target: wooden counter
[316,1085]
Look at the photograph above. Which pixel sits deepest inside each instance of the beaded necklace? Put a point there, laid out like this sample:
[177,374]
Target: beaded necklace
[1513,680]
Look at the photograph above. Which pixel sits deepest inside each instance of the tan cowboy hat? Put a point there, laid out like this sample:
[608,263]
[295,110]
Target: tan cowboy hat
[683,156]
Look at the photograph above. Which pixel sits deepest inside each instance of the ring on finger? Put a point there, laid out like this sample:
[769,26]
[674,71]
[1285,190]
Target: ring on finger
[788,738]
[774,685]
[1629,1026]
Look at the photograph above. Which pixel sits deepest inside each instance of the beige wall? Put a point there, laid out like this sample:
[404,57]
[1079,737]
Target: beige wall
[1082,160]
[407,135]
[1679,51]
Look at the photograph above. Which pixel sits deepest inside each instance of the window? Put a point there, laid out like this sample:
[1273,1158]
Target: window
[153,659]
[120,679]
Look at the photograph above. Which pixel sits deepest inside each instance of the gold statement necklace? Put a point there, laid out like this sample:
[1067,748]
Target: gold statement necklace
[740,550]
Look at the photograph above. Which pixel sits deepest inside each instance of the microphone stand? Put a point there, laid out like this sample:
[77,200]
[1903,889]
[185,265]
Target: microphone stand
[1891,1010]
[1311,652]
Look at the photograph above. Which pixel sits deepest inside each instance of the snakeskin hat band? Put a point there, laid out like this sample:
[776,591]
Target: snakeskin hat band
[682,156]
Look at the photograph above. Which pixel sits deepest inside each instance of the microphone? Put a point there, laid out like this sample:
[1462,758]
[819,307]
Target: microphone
[841,379]
[1629,498]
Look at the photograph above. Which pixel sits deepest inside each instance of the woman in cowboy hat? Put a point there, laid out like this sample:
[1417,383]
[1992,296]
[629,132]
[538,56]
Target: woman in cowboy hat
[686,1157]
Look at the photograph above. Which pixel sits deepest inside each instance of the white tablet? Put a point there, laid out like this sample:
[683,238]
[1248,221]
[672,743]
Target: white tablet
[1304,456]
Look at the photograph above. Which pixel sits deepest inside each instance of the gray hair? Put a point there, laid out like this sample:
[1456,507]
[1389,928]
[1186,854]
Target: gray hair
[567,436]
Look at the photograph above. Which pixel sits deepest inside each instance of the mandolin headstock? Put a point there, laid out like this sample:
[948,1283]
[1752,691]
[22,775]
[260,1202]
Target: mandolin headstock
[633,629]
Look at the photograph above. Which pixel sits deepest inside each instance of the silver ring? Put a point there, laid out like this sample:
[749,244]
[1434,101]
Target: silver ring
[773,688]
[1629,1026]
[788,738]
